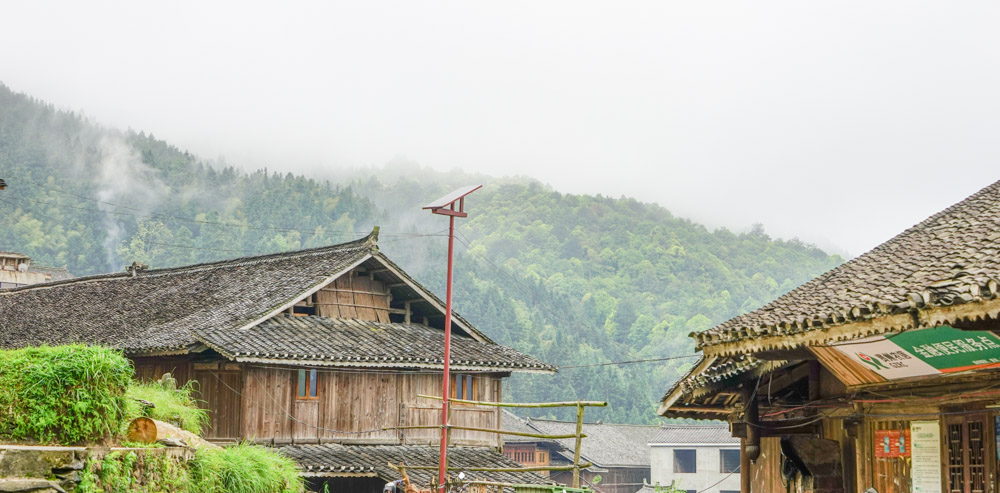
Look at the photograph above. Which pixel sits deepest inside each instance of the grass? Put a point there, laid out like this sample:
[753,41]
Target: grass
[175,406]
[65,394]
[244,468]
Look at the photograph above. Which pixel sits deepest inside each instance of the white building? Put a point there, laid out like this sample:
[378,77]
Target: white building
[696,459]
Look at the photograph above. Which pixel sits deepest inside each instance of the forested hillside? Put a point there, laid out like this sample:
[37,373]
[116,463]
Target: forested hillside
[571,279]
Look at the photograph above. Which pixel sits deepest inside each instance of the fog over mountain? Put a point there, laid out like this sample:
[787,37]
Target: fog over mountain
[839,123]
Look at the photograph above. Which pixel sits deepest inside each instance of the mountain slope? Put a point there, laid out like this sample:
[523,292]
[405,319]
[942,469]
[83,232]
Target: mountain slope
[572,279]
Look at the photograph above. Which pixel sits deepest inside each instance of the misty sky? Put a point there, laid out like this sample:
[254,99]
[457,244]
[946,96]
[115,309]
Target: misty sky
[841,123]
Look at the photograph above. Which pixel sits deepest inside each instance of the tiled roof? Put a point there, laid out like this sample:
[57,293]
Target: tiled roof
[335,458]
[156,310]
[606,445]
[694,434]
[512,422]
[951,258]
[321,340]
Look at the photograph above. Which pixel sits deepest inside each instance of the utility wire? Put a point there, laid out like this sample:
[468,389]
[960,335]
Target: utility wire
[631,361]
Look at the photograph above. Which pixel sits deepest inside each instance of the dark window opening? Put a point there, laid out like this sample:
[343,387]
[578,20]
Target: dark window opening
[302,311]
[306,388]
[463,387]
[730,460]
[685,461]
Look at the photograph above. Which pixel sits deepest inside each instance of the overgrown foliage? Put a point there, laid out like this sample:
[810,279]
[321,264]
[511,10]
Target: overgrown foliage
[176,406]
[65,394]
[237,469]
[149,472]
[244,468]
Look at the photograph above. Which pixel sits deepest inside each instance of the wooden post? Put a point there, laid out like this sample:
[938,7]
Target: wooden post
[745,474]
[579,442]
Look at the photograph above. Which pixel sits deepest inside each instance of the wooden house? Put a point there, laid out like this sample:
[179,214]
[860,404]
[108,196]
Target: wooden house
[323,346]
[16,270]
[882,374]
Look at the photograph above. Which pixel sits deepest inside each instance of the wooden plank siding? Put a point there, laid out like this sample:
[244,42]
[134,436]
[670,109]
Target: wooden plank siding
[353,407]
[353,295]
[148,369]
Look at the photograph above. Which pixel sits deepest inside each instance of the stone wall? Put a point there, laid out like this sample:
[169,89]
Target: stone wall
[38,469]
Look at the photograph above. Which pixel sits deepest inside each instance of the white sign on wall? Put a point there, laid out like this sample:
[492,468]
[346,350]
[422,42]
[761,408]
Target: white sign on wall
[925,469]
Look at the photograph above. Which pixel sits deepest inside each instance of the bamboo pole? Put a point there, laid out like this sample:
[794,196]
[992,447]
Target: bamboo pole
[493,469]
[579,442]
[484,430]
[523,404]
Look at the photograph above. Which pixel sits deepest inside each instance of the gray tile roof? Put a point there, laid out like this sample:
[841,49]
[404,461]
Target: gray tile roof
[321,340]
[606,445]
[221,304]
[694,434]
[951,258]
[334,458]
[157,309]
[512,422]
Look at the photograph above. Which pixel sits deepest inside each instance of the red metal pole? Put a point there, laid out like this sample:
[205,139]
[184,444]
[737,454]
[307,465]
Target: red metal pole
[447,358]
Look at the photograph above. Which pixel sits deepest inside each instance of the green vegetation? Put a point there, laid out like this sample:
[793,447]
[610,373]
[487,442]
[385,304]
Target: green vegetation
[175,406]
[570,279]
[66,394]
[149,472]
[237,469]
[244,468]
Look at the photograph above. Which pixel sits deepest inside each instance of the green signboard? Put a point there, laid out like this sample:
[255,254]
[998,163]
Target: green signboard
[925,352]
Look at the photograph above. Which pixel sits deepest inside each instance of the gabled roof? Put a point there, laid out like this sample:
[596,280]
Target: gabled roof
[156,310]
[606,445]
[332,459]
[694,435]
[512,422]
[921,278]
[222,304]
[351,342]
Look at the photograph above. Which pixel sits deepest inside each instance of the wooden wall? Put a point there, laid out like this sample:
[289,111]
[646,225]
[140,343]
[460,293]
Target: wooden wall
[353,295]
[354,406]
[152,368]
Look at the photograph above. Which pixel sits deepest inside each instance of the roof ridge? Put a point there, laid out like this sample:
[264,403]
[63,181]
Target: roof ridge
[370,241]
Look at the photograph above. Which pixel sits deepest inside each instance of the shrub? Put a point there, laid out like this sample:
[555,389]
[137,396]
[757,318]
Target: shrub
[244,468]
[63,394]
[175,406]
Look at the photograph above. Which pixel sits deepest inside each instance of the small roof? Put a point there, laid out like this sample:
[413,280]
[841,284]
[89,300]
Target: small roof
[512,422]
[606,445]
[14,255]
[952,258]
[694,435]
[330,459]
[338,341]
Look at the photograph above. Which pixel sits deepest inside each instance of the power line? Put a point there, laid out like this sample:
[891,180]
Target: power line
[650,360]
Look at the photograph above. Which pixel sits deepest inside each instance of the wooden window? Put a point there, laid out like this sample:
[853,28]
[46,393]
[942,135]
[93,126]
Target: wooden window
[966,449]
[306,388]
[729,460]
[685,461]
[463,387]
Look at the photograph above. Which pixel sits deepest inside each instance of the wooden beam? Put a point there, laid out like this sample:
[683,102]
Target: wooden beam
[774,429]
[522,404]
